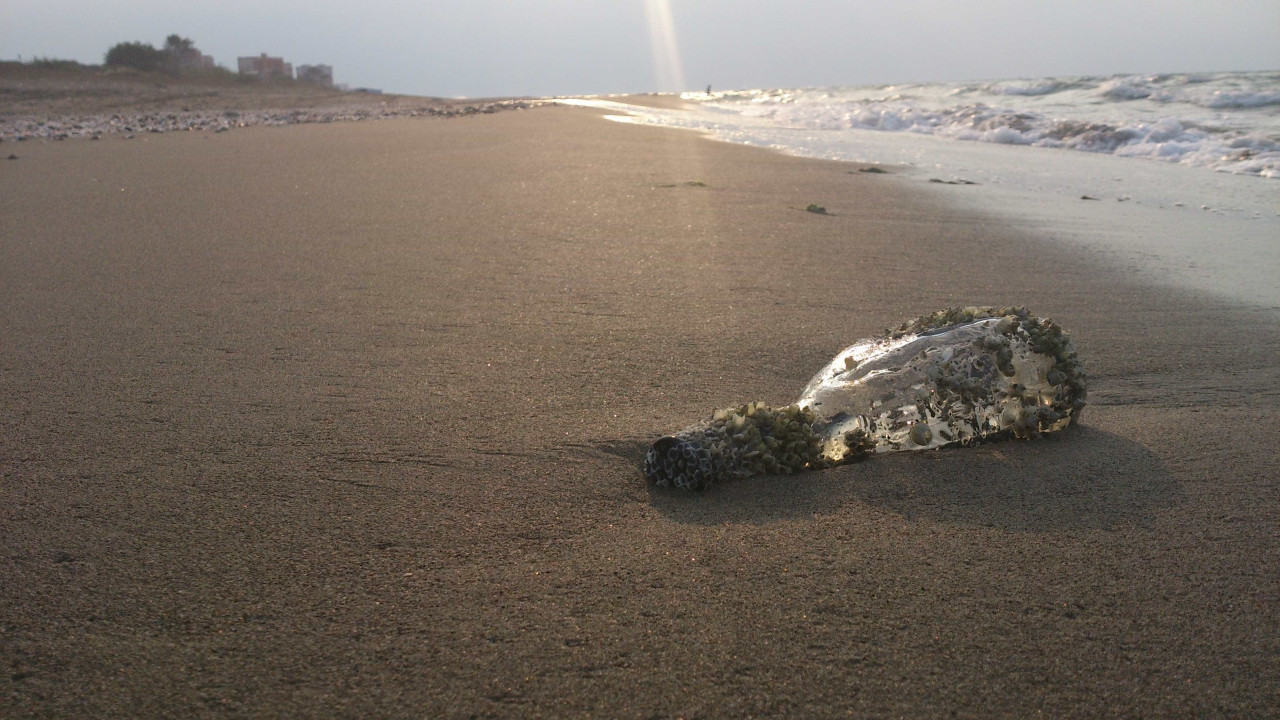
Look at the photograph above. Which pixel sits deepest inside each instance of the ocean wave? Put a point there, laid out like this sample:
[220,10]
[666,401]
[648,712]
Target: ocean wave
[1186,91]
[1030,88]
[1220,99]
[1224,121]
[1123,89]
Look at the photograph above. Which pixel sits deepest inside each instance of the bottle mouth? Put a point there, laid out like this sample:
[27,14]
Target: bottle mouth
[679,462]
[664,445]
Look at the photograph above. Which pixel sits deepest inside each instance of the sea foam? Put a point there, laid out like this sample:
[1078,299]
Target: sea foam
[1227,121]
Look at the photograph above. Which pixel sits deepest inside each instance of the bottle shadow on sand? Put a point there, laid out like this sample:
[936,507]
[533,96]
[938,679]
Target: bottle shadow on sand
[1082,478]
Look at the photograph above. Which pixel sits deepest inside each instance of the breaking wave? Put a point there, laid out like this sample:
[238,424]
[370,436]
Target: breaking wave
[1224,121]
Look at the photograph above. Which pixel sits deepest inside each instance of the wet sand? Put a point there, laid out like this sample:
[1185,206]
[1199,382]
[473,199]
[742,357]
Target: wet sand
[347,420]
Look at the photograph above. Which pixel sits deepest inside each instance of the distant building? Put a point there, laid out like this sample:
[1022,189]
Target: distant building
[316,74]
[189,58]
[264,67]
[197,61]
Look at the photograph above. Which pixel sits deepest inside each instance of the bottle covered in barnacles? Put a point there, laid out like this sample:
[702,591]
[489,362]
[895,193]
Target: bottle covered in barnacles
[955,377]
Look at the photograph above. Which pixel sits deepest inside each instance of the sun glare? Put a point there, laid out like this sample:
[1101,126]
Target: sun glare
[662,40]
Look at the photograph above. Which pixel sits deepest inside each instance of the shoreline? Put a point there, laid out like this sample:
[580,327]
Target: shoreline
[349,418]
[1140,213]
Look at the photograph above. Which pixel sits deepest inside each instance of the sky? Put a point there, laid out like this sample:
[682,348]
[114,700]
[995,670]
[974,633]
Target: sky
[486,48]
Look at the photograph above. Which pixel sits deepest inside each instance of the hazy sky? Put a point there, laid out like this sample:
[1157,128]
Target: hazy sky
[545,47]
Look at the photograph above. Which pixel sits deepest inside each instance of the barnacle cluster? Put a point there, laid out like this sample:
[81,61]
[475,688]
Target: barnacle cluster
[955,377]
[953,316]
[751,439]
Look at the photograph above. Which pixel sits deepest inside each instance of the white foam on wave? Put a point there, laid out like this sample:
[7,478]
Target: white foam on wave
[1228,122]
[1128,88]
[1028,87]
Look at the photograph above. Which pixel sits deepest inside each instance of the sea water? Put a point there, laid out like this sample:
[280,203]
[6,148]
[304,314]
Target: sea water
[1222,121]
[1177,175]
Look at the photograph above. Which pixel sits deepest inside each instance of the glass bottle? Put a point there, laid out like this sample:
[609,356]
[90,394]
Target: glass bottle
[956,377]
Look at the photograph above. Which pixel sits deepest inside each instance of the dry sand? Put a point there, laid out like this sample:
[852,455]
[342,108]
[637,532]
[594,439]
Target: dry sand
[347,421]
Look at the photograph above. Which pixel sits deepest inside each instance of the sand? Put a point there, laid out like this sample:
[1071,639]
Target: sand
[347,421]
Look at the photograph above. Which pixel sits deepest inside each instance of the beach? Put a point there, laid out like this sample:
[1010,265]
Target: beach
[67,103]
[348,419]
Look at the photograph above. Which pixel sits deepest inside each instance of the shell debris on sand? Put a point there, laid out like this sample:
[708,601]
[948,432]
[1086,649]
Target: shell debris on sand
[93,126]
[956,377]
